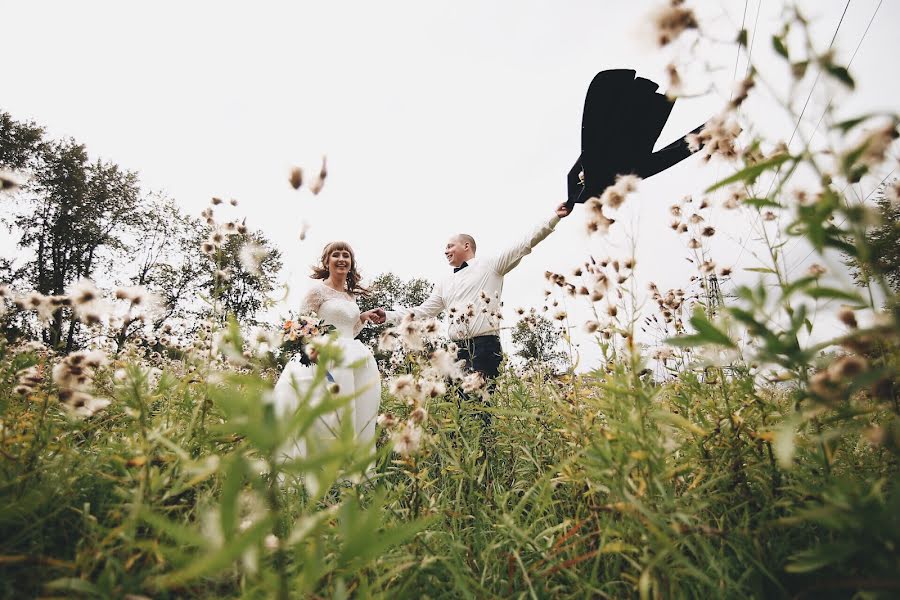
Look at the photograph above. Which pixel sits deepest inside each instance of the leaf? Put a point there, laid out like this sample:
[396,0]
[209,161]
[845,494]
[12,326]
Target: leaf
[814,559]
[709,331]
[678,421]
[841,74]
[761,203]
[74,584]
[212,562]
[784,445]
[185,536]
[818,293]
[849,124]
[779,46]
[750,173]
[798,69]
[761,270]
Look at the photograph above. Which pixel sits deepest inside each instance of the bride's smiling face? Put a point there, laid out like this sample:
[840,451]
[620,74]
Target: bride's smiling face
[340,262]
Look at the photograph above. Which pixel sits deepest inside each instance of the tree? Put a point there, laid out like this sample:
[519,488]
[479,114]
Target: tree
[238,284]
[71,216]
[883,242]
[167,262]
[538,340]
[389,291]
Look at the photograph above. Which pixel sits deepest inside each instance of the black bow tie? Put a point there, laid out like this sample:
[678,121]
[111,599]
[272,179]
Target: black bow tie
[460,267]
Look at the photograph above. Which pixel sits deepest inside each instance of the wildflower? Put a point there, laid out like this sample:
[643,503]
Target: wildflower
[319,182]
[444,362]
[271,542]
[597,222]
[388,340]
[472,382]
[233,202]
[846,316]
[725,271]
[251,257]
[386,420]
[592,326]
[846,367]
[717,138]
[403,385]
[9,182]
[560,315]
[875,145]
[816,270]
[708,267]
[674,80]
[671,21]
[29,379]
[216,201]
[769,216]
[82,405]
[296,178]
[83,292]
[434,389]
[407,440]
[207,248]
[614,195]
[418,416]
[693,243]
[709,231]
[742,90]
[675,210]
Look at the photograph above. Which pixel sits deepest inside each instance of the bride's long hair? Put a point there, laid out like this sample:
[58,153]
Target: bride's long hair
[320,271]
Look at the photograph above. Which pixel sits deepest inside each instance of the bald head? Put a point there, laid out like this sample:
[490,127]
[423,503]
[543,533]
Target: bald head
[460,248]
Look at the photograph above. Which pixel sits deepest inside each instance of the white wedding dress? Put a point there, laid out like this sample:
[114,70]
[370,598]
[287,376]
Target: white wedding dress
[357,375]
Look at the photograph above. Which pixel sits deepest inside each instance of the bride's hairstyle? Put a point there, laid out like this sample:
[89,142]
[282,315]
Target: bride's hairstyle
[320,271]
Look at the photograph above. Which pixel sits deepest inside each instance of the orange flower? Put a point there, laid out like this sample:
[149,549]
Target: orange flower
[288,325]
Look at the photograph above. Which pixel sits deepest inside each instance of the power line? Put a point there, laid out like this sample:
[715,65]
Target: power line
[809,96]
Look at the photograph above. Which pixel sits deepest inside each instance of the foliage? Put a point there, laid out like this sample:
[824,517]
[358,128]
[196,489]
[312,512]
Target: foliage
[390,292]
[538,342]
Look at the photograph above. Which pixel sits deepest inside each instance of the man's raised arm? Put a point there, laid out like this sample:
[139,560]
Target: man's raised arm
[432,307]
[509,258]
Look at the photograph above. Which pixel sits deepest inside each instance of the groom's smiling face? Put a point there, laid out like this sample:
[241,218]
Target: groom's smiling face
[457,251]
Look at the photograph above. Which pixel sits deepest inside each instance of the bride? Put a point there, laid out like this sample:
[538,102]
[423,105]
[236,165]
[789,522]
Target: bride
[333,299]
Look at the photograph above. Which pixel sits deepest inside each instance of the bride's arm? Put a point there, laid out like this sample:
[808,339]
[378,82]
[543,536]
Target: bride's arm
[312,301]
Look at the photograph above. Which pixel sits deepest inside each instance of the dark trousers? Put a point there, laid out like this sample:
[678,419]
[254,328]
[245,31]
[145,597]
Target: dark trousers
[483,355]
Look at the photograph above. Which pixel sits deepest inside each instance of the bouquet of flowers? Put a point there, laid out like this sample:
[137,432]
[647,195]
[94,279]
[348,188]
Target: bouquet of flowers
[297,333]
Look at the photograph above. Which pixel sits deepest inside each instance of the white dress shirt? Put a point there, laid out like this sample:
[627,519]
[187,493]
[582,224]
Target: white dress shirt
[471,296]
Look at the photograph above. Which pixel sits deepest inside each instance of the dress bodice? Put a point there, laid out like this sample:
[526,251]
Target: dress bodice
[335,308]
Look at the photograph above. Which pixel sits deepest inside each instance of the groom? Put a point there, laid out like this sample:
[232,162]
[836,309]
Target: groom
[471,296]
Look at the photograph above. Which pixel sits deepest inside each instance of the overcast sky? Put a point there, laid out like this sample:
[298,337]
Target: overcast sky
[436,117]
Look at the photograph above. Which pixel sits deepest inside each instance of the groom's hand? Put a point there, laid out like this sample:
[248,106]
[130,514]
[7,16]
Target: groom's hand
[376,316]
[562,210]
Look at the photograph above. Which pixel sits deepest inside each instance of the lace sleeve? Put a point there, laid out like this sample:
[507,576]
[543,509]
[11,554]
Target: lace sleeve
[358,327]
[312,301]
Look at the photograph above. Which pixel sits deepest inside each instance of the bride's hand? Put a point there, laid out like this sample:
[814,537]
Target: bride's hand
[374,316]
